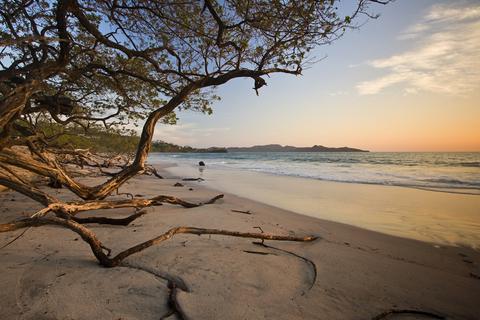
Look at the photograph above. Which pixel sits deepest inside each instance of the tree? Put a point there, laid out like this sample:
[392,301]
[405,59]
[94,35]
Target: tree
[82,62]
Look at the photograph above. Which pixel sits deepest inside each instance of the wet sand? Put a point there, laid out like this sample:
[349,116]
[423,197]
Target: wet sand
[428,215]
[359,274]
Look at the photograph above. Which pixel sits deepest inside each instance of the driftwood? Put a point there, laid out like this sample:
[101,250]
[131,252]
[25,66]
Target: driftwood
[112,221]
[258,252]
[150,170]
[306,260]
[241,211]
[386,314]
[99,249]
[55,205]
[174,284]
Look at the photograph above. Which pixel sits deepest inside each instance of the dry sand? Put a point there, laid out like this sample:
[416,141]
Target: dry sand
[49,273]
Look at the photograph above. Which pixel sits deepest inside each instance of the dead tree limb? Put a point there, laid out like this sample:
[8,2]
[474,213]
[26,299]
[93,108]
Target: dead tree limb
[99,249]
[308,261]
[174,304]
[54,204]
[258,252]
[73,208]
[150,170]
[112,221]
[88,236]
[14,239]
[387,313]
[241,211]
[174,284]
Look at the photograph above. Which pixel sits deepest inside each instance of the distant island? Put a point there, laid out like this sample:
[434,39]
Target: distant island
[161,146]
[280,148]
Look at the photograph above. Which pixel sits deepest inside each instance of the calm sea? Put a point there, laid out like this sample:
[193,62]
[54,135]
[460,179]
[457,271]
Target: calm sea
[411,169]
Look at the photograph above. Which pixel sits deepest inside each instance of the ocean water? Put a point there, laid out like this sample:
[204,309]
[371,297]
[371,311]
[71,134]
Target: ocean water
[457,172]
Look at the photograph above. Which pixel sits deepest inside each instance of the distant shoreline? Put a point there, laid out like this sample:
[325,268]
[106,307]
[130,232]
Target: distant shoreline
[172,148]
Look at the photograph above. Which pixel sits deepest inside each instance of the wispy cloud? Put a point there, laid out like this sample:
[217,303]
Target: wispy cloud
[413,31]
[445,59]
[338,93]
[186,134]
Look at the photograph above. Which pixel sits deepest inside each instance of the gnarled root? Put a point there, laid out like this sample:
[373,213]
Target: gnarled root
[71,209]
[386,314]
[99,249]
[112,221]
[306,260]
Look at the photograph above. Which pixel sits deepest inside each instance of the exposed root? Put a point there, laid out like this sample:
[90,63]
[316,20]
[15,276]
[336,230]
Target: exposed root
[99,249]
[128,194]
[241,211]
[202,231]
[179,282]
[72,208]
[220,196]
[14,239]
[112,221]
[173,283]
[150,170]
[308,261]
[259,252]
[173,303]
[387,313]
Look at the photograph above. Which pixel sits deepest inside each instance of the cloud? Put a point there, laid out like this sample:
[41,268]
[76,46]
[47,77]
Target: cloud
[338,93]
[186,134]
[414,31]
[445,59]
[449,13]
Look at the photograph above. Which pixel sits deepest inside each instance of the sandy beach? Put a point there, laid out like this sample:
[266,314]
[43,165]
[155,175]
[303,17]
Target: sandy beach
[348,273]
[239,160]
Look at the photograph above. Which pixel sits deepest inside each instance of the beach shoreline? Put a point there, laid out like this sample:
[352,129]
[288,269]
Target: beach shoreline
[444,218]
[49,273]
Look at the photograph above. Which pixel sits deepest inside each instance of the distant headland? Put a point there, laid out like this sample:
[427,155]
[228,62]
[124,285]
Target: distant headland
[280,148]
[160,146]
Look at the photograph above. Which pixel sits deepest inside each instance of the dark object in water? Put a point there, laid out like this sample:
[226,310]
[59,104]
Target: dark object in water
[178,184]
[201,164]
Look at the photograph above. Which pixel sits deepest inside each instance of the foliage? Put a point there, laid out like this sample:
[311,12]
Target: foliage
[99,140]
[80,63]
[162,146]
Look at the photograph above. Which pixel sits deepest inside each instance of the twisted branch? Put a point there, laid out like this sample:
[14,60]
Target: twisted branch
[99,249]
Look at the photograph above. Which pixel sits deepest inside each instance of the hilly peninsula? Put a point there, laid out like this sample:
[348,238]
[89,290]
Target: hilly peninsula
[280,148]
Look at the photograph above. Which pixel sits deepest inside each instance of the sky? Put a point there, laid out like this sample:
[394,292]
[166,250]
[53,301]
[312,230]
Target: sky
[407,81]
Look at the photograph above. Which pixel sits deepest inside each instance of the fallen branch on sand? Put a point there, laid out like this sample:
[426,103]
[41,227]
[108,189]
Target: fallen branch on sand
[112,221]
[308,261]
[241,211]
[387,313]
[173,284]
[259,252]
[98,248]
